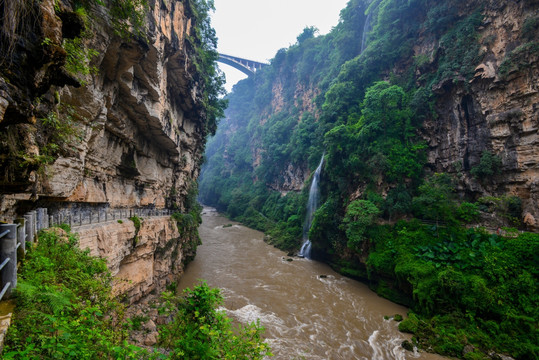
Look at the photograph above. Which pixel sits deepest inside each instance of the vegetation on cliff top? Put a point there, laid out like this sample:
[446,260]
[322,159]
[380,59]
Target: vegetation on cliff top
[472,291]
[65,310]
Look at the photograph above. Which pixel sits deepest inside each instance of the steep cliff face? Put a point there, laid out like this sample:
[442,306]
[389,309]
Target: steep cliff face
[136,125]
[467,76]
[493,109]
[143,260]
[429,126]
[105,107]
[496,111]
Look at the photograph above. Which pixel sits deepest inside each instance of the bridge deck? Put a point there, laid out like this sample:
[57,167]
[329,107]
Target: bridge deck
[244,65]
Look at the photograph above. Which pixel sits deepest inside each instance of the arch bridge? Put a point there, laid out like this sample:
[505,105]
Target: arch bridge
[246,66]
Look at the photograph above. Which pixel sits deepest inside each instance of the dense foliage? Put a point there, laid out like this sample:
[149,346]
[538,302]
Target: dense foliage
[200,331]
[363,105]
[65,310]
[211,81]
[467,286]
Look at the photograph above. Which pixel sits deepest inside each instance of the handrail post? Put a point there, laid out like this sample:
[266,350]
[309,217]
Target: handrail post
[39,219]
[8,249]
[33,213]
[28,226]
[21,237]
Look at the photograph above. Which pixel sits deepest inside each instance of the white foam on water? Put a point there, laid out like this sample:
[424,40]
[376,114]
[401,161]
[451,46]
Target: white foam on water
[385,344]
[251,313]
[236,299]
[397,351]
[373,339]
[346,351]
[263,286]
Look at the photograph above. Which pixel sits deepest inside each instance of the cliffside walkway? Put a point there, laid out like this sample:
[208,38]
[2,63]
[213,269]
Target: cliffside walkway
[15,236]
[79,218]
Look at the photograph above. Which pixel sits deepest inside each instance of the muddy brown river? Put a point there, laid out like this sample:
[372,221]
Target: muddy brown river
[306,316]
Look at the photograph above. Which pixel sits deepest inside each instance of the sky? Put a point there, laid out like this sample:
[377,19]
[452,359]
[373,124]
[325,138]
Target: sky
[257,29]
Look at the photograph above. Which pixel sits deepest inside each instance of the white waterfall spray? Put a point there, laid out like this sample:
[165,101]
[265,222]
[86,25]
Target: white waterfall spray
[312,206]
[366,29]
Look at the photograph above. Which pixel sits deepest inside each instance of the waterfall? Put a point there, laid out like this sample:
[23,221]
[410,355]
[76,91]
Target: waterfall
[366,29]
[312,205]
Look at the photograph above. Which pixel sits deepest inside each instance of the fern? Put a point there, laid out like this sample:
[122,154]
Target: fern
[55,300]
[51,300]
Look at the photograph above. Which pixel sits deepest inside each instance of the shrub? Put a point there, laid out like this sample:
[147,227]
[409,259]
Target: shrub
[468,212]
[200,331]
[519,58]
[65,308]
[434,199]
[410,324]
[488,166]
[530,27]
[136,222]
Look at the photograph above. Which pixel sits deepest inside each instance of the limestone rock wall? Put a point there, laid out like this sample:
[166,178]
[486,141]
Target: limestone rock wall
[129,133]
[138,125]
[143,139]
[496,111]
[144,261]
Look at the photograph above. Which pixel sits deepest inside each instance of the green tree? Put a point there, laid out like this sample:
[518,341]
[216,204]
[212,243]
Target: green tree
[360,214]
[489,165]
[434,200]
[308,33]
[206,55]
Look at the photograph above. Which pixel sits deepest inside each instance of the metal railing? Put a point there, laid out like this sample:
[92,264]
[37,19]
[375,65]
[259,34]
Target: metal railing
[6,271]
[13,237]
[96,216]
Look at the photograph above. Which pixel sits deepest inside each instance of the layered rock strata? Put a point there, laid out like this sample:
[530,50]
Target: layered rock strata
[137,122]
[497,111]
[143,261]
[126,130]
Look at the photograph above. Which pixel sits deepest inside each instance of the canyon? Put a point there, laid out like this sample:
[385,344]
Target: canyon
[421,118]
[426,116]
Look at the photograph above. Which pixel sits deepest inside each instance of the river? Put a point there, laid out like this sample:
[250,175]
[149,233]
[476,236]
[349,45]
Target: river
[306,315]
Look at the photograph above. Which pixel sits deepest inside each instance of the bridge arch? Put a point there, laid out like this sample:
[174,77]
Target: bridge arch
[247,67]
